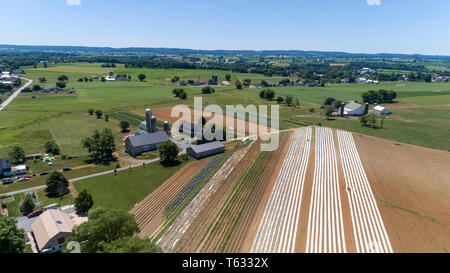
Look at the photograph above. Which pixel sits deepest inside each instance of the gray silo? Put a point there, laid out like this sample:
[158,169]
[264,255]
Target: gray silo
[148,115]
[166,127]
[341,113]
[366,109]
[153,125]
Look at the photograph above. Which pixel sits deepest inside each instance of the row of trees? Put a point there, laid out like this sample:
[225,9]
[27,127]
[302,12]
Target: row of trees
[380,96]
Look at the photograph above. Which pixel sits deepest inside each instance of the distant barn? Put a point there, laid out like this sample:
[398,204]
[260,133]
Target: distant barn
[204,150]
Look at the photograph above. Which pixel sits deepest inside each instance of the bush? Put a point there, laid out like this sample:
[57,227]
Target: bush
[208,90]
[183,95]
[51,147]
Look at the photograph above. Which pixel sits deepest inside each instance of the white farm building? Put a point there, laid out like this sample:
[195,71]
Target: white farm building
[354,109]
[382,110]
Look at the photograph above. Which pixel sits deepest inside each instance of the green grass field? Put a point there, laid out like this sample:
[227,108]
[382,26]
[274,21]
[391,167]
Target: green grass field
[124,189]
[31,122]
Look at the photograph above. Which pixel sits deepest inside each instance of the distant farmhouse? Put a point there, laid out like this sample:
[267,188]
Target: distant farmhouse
[7,78]
[6,170]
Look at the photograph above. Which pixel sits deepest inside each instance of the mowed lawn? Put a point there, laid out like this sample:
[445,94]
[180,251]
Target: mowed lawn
[124,189]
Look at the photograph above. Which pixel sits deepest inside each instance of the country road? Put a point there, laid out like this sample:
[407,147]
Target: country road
[15,94]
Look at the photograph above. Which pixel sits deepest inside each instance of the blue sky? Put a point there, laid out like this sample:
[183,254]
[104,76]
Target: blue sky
[397,26]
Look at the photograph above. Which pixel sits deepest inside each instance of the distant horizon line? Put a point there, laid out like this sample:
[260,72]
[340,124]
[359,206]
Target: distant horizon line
[222,50]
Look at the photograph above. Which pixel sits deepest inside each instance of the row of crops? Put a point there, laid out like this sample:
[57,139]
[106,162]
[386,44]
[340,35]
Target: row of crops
[220,231]
[190,190]
[132,119]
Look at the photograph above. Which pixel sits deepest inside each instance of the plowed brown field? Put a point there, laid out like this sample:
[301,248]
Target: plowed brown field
[149,213]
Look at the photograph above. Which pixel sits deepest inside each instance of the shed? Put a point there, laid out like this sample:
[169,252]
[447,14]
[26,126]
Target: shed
[382,110]
[204,150]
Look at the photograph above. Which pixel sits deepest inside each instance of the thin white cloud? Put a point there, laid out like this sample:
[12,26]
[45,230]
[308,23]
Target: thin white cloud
[73,2]
[369,2]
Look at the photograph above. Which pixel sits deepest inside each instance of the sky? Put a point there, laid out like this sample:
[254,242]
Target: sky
[359,26]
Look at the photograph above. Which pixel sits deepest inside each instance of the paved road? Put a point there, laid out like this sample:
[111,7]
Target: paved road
[15,94]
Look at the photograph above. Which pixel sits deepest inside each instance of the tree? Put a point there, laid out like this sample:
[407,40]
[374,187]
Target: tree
[227,77]
[372,118]
[270,94]
[83,202]
[63,78]
[168,152]
[182,95]
[130,245]
[428,78]
[51,147]
[57,184]
[27,205]
[17,154]
[329,101]
[36,87]
[289,100]
[262,94]
[61,84]
[247,82]
[363,120]
[80,80]
[106,117]
[280,99]
[103,227]
[11,237]
[177,91]
[328,111]
[141,77]
[208,90]
[99,114]
[103,79]
[338,103]
[238,84]
[124,125]
[382,118]
[91,111]
[100,145]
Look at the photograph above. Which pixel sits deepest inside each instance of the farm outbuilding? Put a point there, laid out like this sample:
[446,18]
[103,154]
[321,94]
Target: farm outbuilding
[138,144]
[382,110]
[204,150]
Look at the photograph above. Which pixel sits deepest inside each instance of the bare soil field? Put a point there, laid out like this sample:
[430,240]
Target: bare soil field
[149,213]
[412,188]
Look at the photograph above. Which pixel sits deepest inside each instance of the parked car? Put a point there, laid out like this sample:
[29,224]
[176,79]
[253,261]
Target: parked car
[23,179]
[67,169]
[7,181]
[28,176]
[44,173]
[35,213]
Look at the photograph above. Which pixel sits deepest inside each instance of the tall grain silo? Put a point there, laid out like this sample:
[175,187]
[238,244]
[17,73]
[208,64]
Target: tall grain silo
[148,115]
[153,125]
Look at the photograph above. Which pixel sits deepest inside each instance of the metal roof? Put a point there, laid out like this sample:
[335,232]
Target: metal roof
[148,139]
[207,147]
[353,106]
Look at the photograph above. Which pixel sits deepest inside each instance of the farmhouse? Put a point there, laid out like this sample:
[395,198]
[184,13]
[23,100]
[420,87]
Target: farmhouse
[381,110]
[51,230]
[204,150]
[138,144]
